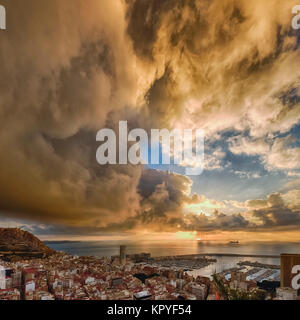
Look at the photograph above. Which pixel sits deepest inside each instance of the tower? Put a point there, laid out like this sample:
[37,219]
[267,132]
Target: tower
[122,254]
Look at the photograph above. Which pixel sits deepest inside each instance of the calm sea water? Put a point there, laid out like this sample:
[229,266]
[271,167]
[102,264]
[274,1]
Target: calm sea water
[159,248]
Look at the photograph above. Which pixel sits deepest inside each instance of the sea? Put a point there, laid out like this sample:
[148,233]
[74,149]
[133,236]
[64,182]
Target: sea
[270,251]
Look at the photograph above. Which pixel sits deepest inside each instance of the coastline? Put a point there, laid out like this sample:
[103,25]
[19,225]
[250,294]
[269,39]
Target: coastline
[219,255]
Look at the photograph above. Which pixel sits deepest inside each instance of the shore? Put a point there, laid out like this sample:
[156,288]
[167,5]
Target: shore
[193,256]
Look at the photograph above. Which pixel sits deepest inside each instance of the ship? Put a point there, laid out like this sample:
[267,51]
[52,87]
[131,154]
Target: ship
[234,242]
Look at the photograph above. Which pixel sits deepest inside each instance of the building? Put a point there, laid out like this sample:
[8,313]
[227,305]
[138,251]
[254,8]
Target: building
[16,279]
[29,274]
[238,276]
[180,283]
[198,290]
[286,294]
[5,278]
[88,280]
[30,286]
[143,295]
[122,254]
[139,257]
[116,282]
[10,294]
[242,285]
[2,272]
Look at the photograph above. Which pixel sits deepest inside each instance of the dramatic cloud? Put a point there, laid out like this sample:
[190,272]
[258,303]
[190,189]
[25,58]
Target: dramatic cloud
[72,67]
[66,65]
[278,153]
[220,64]
[275,212]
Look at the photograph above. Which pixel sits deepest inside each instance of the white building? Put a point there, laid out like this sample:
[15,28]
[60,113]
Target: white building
[173,283]
[2,272]
[286,294]
[2,284]
[143,295]
[30,286]
[5,282]
[90,280]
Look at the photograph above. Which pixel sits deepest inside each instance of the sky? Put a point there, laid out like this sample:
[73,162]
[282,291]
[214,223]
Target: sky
[72,67]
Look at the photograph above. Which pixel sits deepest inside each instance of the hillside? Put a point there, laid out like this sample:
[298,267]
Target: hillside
[17,241]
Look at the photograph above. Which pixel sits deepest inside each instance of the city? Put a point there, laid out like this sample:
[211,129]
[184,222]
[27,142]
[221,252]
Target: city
[134,277]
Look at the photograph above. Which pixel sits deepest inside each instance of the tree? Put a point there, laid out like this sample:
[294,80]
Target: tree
[237,294]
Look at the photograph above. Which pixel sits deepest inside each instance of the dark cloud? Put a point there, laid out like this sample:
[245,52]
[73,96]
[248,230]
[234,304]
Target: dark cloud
[275,212]
[69,68]
[63,74]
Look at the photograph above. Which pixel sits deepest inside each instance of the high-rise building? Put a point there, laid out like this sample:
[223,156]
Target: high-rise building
[122,254]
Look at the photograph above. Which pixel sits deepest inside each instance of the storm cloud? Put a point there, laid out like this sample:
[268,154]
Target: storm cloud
[72,67]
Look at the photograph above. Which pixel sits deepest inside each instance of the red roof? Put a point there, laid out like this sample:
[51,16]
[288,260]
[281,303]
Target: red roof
[30,270]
